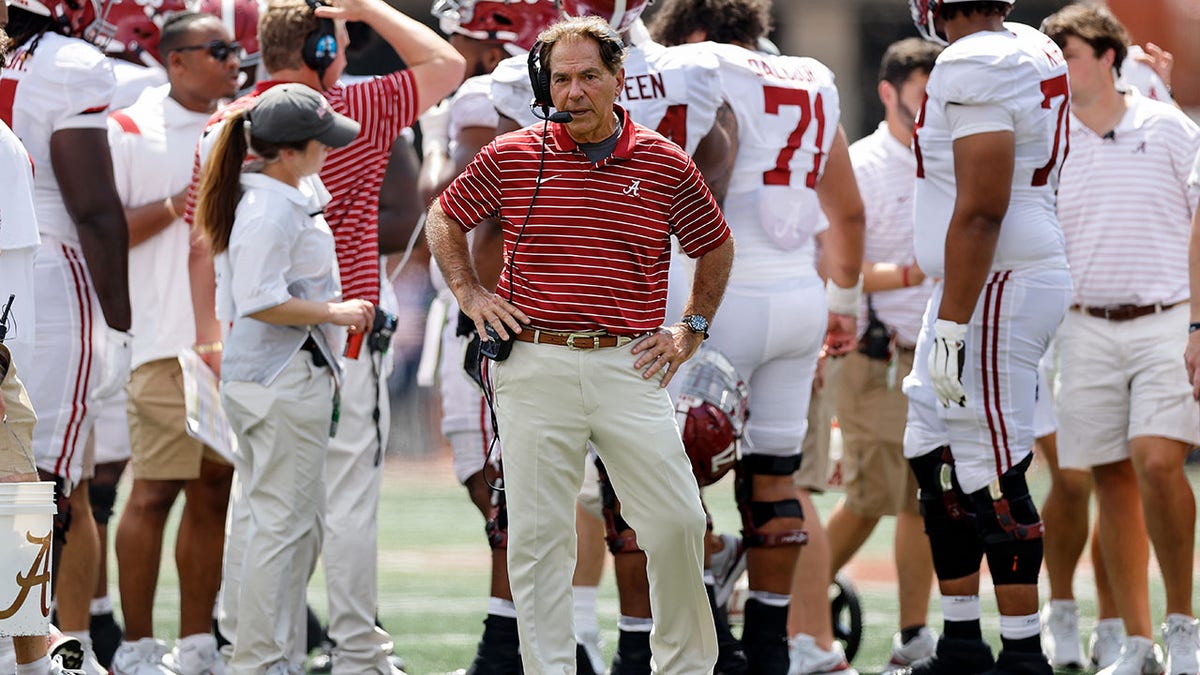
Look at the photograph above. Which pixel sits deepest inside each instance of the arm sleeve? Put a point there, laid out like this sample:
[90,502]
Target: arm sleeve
[86,86]
[256,254]
[968,120]
[475,195]
[695,217]
[384,106]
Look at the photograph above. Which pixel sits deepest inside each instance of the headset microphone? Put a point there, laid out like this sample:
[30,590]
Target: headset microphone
[543,113]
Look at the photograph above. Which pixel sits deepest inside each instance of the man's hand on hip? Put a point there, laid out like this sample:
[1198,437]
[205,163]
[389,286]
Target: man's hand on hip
[666,349]
[484,306]
[946,362]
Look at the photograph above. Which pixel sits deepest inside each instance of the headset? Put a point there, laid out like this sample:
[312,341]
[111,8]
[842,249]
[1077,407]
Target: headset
[539,80]
[320,47]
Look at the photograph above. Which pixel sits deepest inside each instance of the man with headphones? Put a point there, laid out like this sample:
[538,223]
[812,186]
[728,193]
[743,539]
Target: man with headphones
[304,41]
[579,346]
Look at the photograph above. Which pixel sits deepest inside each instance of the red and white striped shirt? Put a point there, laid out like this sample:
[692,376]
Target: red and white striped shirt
[1125,208]
[596,250]
[384,106]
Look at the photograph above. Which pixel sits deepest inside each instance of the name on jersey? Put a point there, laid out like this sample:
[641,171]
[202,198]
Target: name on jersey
[644,87]
[799,73]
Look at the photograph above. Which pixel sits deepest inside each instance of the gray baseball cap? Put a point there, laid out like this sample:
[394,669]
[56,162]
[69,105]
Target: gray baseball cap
[293,112]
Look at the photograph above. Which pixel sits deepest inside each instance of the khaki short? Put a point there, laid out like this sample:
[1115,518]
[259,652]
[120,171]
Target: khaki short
[813,474]
[16,438]
[158,437]
[877,478]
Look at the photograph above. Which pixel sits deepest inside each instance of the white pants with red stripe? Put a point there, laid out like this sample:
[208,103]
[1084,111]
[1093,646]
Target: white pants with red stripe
[64,368]
[1014,321]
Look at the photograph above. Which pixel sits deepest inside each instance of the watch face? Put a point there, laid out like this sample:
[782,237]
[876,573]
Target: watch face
[697,323]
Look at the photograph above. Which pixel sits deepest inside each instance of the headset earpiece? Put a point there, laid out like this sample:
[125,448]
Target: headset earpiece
[539,78]
[320,47]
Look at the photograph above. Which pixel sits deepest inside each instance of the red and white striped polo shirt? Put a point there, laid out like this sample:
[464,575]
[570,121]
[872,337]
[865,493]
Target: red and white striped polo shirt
[596,250]
[384,106]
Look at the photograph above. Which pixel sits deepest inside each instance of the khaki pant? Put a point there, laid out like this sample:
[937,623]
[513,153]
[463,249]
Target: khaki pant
[283,433]
[871,415]
[16,436]
[550,401]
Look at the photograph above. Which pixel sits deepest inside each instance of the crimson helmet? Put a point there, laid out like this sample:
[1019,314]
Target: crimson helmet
[620,14]
[241,20]
[515,22]
[925,11]
[711,410]
[137,27]
[78,18]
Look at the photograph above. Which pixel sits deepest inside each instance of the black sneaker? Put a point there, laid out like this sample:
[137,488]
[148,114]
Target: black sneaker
[764,639]
[633,654]
[499,651]
[955,657]
[731,659]
[68,650]
[106,636]
[1022,663]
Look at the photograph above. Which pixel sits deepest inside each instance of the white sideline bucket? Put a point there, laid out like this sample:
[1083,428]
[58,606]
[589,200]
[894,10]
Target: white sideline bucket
[26,512]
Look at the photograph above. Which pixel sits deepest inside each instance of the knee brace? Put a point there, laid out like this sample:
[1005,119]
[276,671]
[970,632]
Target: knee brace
[617,533]
[949,519]
[102,497]
[1010,527]
[756,514]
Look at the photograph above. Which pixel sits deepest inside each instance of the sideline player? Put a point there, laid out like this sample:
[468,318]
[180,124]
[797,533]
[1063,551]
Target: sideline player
[989,143]
[1126,210]
[57,89]
[792,163]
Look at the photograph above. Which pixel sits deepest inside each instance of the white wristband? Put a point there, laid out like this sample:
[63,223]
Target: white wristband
[843,300]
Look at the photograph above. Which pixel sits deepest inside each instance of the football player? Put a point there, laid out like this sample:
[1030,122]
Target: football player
[989,142]
[792,163]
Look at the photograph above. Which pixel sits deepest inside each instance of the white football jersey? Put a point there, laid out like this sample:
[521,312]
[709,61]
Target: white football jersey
[1020,75]
[673,90]
[787,112]
[133,80]
[471,106]
[65,83]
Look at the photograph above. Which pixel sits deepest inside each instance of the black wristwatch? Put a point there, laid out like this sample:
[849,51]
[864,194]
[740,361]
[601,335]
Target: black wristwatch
[696,324]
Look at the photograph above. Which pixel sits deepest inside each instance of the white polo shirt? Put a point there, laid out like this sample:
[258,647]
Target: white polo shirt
[280,248]
[1125,209]
[18,221]
[152,143]
[886,171]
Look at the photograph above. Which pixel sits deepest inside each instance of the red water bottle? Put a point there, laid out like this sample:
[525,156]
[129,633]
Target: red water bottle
[353,345]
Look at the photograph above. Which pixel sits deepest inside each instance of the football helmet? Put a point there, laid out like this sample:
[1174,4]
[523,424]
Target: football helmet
[241,20]
[712,409]
[515,22]
[77,18]
[620,14]
[925,11]
[136,28]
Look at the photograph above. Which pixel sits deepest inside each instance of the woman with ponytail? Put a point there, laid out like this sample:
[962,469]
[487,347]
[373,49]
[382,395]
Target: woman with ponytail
[277,282]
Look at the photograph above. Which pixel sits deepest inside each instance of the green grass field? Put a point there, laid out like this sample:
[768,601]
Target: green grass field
[434,571]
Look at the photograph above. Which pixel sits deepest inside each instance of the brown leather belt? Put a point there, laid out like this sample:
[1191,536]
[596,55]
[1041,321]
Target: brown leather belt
[1124,312]
[589,340]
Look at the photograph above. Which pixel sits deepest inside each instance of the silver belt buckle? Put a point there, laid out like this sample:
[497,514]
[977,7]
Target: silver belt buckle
[571,337]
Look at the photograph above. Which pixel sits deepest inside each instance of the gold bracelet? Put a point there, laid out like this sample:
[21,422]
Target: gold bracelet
[170,204]
[208,347]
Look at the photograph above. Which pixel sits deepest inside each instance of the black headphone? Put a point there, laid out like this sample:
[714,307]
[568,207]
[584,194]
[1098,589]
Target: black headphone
[539,80]
[320,46]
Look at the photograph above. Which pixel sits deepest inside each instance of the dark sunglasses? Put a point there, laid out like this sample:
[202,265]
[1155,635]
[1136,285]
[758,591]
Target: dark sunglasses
[218,49]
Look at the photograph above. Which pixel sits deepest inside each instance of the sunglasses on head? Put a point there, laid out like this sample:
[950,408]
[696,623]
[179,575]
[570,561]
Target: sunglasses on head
[218,49]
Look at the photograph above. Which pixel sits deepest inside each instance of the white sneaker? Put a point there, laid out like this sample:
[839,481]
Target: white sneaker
[1183,645]
[91,665]
[1060,634]
[905,654]
[1139,656]
[727,566]
[808,659]
[1104,646]
[144,657]
[196,655]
